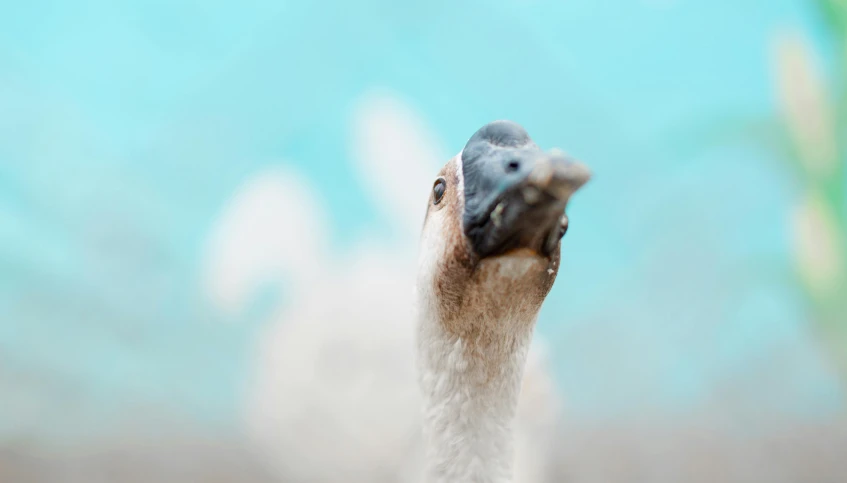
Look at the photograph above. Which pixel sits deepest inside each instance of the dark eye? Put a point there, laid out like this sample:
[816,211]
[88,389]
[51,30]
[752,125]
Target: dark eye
[438,190]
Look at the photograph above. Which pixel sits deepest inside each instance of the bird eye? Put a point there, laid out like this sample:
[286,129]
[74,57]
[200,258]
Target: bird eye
[563,226]
[438,190]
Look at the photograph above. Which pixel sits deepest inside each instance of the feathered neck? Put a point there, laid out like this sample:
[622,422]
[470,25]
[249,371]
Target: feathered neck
[470,386]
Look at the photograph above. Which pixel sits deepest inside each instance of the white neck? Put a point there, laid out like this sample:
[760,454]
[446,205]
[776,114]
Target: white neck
[470,391]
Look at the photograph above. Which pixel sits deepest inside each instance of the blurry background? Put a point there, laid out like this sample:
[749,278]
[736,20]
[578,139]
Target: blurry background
[173,173]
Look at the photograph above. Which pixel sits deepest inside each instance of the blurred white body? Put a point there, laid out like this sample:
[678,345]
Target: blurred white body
[334,396]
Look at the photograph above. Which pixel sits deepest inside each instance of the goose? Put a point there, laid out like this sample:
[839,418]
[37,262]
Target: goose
[490,251]
[332,393]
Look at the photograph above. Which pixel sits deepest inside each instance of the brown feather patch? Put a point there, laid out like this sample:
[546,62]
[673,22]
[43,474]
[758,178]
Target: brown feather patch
[486,303]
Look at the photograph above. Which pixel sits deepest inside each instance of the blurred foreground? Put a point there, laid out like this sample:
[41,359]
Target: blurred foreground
[625,453]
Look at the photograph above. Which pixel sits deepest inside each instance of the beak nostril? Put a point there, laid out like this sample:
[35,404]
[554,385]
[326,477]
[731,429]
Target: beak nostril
[513,166]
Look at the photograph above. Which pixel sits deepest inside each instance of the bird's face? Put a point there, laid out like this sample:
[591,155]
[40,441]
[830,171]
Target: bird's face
[491,238]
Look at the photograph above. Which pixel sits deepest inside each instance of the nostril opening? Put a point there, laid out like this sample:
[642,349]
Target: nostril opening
[513,166]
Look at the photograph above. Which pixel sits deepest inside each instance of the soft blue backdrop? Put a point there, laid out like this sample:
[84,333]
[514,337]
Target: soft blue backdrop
[125,126]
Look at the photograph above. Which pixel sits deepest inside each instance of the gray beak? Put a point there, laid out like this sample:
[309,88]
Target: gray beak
[516,194]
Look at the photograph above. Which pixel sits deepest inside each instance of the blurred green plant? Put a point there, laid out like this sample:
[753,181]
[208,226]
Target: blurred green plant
[808,139]
[814,121]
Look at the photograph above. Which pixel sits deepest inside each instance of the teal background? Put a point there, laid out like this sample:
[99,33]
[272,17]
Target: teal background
[126,126]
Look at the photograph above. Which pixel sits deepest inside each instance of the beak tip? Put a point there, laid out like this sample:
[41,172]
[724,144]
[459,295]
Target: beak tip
[560,176]
[578,174]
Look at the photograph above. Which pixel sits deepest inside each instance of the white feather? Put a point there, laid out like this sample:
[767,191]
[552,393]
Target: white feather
[272,226]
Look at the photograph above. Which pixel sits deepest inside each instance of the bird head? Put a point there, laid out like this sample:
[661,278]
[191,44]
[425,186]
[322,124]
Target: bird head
[492,234]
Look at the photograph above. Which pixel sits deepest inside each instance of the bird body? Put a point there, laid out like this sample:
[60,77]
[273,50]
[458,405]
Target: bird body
[363,374]
[489,256]
[334,395]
